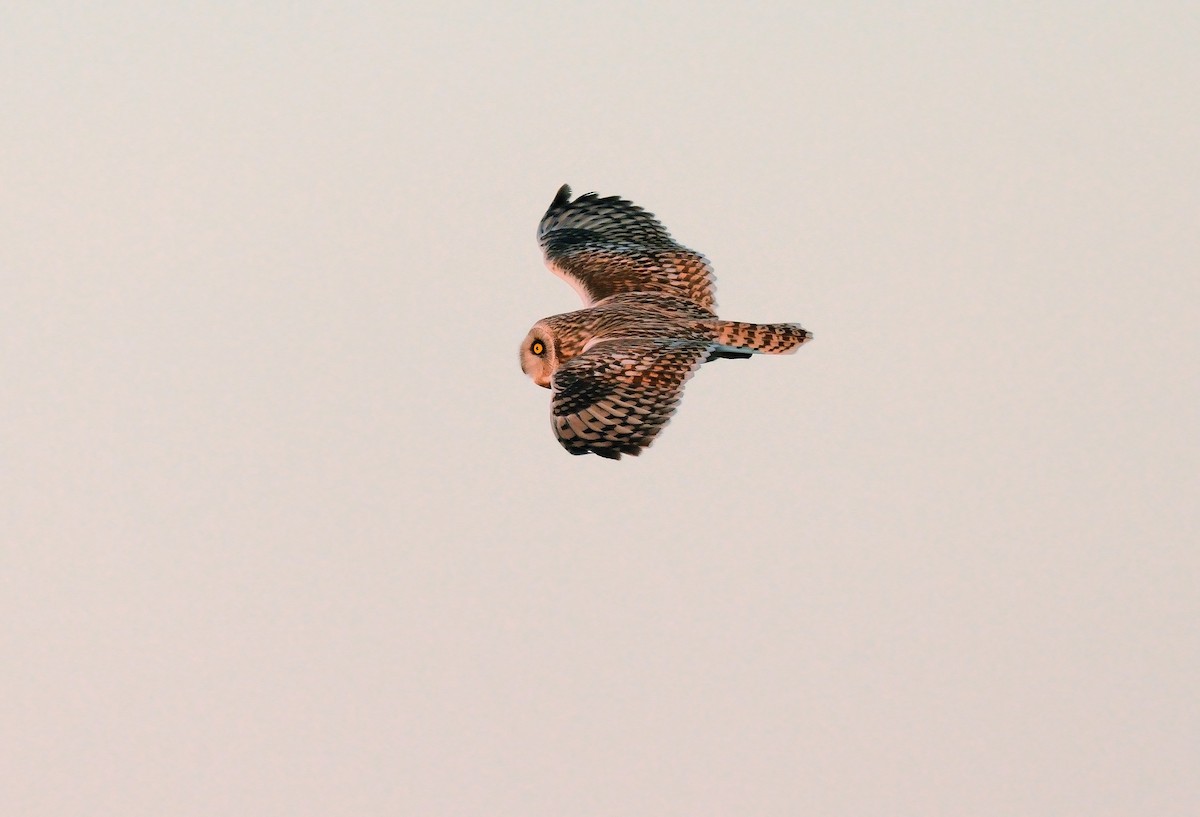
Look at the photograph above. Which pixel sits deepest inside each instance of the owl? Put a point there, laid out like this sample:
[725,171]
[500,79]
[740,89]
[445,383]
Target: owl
[616,368]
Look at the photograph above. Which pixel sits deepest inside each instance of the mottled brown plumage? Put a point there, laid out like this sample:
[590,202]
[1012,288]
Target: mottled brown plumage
[617,367]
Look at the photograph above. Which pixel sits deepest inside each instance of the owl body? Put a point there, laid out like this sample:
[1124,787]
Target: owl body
[617,367]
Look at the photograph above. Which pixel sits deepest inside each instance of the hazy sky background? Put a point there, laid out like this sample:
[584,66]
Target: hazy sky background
[284,529]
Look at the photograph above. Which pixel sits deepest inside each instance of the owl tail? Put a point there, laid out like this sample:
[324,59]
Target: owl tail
[739,339]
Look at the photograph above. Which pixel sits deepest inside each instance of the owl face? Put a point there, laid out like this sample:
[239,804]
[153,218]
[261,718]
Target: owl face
[539,356]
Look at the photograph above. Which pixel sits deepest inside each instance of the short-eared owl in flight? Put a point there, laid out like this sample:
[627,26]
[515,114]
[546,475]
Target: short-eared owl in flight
[616,368]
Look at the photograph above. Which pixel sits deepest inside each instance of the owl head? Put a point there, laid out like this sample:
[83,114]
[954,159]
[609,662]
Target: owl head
[539,354]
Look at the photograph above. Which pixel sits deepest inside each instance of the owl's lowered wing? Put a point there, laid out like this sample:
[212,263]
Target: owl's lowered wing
[608,246]
[616,397]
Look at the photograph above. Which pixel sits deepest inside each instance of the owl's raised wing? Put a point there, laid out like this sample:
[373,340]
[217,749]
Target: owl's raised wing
[608,246]
[616,397]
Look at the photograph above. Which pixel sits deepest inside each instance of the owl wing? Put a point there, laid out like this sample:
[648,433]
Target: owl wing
[616,397]
[609,246]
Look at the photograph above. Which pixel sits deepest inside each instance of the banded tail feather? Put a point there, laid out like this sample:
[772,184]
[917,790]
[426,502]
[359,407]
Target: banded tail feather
[739,339]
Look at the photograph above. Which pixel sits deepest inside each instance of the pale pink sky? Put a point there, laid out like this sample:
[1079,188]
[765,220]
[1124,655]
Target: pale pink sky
[284,530]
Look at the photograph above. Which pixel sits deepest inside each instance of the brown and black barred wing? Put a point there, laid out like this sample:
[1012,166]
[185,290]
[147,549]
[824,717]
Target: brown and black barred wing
[616,397]
[609,246]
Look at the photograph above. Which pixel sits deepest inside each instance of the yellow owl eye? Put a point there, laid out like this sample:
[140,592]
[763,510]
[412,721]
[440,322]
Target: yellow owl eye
[537,348]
